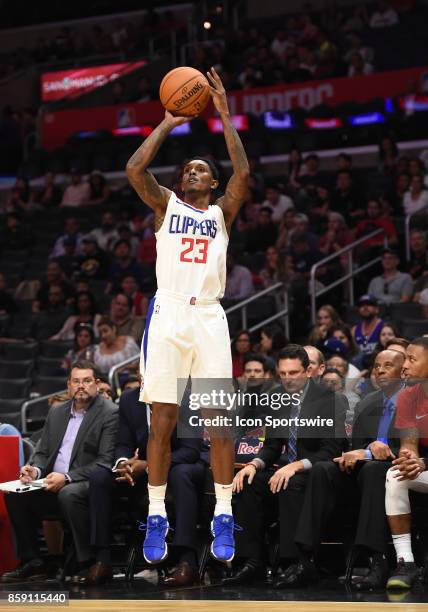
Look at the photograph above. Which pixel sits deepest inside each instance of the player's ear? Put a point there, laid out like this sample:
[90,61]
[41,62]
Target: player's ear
[214,184]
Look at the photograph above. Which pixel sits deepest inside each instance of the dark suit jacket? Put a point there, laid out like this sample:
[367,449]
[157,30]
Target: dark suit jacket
[94,443]
[366,423]
[315,444]
[134,433]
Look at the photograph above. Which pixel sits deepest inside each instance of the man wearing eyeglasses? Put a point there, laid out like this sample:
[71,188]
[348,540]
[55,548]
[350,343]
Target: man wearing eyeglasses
[77,436]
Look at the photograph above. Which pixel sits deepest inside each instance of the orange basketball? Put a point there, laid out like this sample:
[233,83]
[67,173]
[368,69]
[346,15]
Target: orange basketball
[184,91]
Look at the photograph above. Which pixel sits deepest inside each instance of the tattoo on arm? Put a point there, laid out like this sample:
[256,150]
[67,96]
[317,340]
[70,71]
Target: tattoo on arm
[237,186]
[143,181]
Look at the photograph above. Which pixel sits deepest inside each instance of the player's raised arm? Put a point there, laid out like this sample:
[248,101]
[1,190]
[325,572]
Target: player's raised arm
[237,186]
[143,181]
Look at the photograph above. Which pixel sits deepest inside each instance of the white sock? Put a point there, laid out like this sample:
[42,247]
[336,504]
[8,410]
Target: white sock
[223,497]
[403,547]
[157,500]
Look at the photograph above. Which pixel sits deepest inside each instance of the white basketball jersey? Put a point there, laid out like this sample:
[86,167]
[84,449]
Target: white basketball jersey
[191,250]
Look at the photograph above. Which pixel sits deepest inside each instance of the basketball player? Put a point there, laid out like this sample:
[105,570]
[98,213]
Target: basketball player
[186,329]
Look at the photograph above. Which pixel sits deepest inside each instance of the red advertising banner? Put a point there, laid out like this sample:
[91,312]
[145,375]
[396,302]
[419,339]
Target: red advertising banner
[75,82]
[57,127]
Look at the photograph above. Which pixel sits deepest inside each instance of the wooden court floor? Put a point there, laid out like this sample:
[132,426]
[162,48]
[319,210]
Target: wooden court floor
[218,606]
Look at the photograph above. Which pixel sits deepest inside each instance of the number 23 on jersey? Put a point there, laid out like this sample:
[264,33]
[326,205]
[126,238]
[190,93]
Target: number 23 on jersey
[195,250]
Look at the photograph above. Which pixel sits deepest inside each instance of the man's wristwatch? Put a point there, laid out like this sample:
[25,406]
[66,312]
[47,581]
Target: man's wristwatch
[67,479]
[254,465]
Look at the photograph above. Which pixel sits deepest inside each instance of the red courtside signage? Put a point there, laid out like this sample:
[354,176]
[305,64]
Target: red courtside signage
[75,82]
[57,127]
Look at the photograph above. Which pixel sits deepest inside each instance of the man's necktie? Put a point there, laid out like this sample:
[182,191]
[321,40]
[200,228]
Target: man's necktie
[292,434]
[385,421]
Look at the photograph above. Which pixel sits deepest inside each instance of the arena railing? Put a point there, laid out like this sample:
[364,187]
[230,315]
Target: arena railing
[242,306]
[113,374]
[314,294]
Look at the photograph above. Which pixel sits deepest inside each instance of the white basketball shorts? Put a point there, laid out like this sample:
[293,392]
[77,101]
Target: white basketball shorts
[183,337]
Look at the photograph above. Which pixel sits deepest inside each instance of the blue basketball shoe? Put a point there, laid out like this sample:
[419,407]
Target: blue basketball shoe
[155,549]
[223,545]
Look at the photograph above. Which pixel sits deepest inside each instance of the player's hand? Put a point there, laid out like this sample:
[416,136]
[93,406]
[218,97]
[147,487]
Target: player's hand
[249,471]
[55,482]
[348,460]
[407,468]
[218,92]
[173,120]
[281,478]
[381,451]
[27,473]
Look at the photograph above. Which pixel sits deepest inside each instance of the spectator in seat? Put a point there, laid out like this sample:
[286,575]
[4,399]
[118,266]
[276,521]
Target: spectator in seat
[396,195]
[65,460]
[375,220]
[85,312]
[130,287]
[270,273]
[51,194]
[366,332]
[104,388]
[106,235]
[310,171]
[77,193]
[398,344]
[384,17]
[343,333]
[144,90]
[126,323]
[112,348]
[286,229]
[277,202]
[316,362]
[241,345]
[337,235]
[16,236]
[125,233]
[99,191]
[20,198]
[327,319]
[263,234]
[418,254]
[392,286]
[347,199]
[52,316]
[72,232]
[83,347]
[93,262]
[388,154]
[416,199]
[422,282]
[272,340]
[68,261]
[337,357]
[239,283]
[357,65]
[294,169]
[304,257]
[387,332]
[54,276]
[123,263]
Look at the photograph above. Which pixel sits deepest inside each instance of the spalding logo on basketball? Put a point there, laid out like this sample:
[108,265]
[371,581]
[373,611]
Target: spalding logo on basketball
[184,91]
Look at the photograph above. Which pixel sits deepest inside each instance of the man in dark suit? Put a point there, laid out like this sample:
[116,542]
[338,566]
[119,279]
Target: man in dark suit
[280,471]
[78,435]
[129,478]
[359,473]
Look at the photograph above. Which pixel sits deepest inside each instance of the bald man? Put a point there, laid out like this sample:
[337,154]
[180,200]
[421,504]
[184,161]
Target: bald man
[360,474]
[316,362]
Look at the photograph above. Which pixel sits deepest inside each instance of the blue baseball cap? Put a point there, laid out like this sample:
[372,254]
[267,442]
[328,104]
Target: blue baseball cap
[335,347]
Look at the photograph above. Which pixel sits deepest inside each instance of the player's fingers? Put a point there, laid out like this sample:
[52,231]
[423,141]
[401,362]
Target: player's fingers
[211,79]
[251,476]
